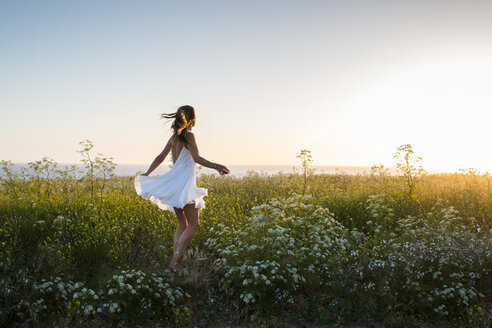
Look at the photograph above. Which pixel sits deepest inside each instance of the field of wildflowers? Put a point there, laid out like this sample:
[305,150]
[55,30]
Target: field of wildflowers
[81,249]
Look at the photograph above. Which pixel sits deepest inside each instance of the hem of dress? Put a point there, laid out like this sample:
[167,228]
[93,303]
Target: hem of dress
[199,201]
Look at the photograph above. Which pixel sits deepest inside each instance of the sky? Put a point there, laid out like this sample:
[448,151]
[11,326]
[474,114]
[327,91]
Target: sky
[348,80]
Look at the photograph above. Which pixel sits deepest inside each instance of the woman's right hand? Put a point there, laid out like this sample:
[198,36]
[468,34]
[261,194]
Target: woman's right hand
[222,169]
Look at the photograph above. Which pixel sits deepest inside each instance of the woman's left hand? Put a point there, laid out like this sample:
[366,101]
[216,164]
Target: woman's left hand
[222,169]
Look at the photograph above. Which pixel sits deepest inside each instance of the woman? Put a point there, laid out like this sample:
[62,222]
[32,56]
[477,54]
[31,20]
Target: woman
[176,191]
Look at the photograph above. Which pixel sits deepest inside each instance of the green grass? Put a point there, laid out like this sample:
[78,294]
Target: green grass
[381,256]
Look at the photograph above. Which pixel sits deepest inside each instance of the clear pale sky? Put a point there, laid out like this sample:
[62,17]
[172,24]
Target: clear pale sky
[348,80]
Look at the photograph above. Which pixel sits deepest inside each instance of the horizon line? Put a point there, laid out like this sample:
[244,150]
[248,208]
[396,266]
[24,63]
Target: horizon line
[438,170]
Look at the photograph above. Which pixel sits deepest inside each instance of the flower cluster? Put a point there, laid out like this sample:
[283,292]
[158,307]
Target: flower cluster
[131,291]
[292,245]
[436,262]
[50,293]
[287,243]
[133,288]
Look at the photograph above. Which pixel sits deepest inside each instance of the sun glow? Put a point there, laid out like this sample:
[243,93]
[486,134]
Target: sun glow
[442,107]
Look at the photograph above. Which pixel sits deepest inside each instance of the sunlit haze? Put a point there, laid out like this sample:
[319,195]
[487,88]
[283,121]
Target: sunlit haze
[348,80]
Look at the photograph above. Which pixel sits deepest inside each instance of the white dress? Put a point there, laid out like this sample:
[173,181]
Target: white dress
[176,188]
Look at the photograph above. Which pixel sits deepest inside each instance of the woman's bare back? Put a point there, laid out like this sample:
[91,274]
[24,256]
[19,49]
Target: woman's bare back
[176,148]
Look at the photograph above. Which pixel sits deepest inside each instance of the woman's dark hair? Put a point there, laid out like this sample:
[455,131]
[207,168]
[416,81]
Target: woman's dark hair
[184,117]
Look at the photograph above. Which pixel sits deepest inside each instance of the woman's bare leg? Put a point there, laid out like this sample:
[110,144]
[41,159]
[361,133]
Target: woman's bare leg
[184,240]
[182,224]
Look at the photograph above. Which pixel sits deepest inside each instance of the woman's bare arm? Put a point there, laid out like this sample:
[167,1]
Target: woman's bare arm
[160,158]
[193,148]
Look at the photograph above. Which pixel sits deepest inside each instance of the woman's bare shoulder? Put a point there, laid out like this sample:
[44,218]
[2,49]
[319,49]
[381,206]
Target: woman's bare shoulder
[189,136]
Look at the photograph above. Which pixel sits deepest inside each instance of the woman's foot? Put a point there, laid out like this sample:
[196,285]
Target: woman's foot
[175,267]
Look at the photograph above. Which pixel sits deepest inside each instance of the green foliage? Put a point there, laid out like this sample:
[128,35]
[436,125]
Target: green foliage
[407,166]
[98,169]
[356,248]
[306,158]
[475,317]
[129,297]
[287,243]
